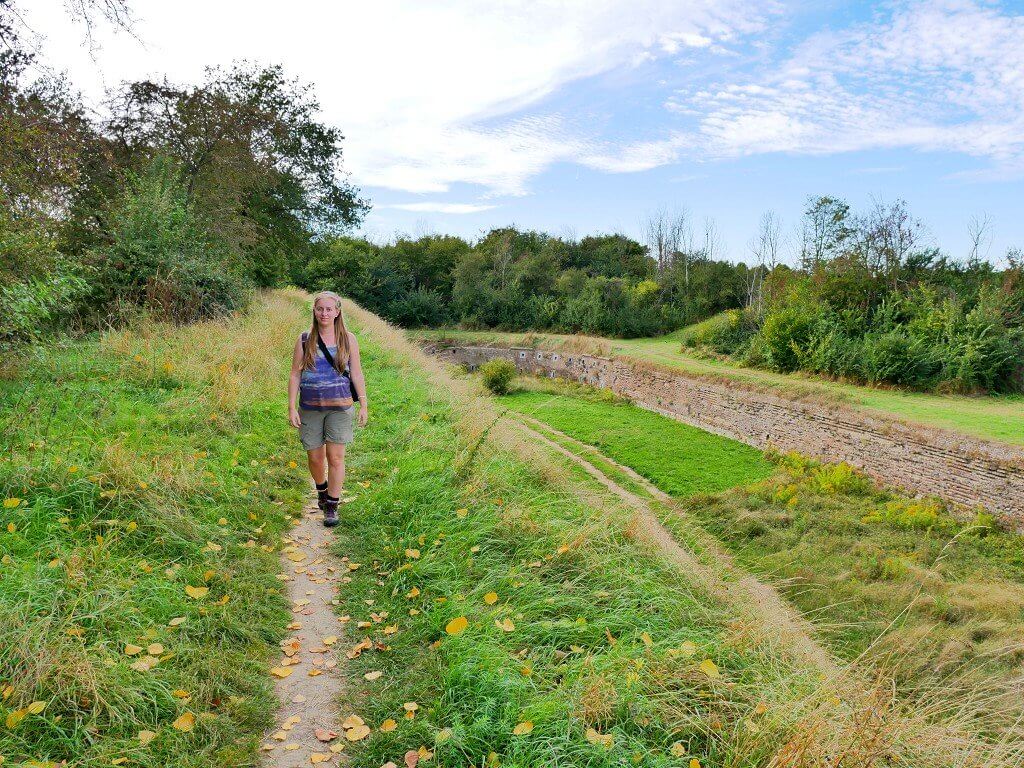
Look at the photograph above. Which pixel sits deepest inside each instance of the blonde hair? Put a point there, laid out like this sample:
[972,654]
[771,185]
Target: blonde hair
[340,336]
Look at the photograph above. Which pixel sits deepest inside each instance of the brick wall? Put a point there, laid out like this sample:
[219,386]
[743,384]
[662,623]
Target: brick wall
[920,460]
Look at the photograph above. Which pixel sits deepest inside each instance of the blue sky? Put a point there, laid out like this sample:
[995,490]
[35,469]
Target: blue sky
[581,117]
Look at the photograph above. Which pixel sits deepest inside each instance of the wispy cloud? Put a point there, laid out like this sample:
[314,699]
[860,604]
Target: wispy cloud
[945,75]
[440,207]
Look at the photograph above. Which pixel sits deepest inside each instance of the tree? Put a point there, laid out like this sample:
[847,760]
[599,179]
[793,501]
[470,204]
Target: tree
[666,234]
[826,227]
[253,156]
[765,248]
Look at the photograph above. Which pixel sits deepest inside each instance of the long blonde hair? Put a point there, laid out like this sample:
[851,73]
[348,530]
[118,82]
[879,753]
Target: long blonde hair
[340,336]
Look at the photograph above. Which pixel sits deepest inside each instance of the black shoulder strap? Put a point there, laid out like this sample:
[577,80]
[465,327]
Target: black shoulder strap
[323,348]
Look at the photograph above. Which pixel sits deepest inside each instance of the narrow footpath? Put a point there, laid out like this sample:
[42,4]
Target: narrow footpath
[307,678]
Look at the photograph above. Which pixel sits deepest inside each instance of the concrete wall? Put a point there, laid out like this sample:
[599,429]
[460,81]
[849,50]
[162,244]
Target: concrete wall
[920,460]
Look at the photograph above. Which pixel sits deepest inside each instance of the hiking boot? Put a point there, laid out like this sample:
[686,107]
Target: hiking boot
[331,512]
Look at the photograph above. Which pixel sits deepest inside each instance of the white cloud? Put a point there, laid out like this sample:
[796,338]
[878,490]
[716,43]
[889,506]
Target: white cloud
[428,94]
[945,75]
[434,207]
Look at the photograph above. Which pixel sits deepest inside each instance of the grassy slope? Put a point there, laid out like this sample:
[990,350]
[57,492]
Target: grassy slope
[144,464]
[925,597]
[994,418]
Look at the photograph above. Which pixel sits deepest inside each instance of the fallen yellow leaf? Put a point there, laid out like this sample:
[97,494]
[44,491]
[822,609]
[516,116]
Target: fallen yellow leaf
[155,649]
[281,672]
[185,723]
[709,668]
[522,728]
[356,733]
[196,593]
[388,725]
[36,707]
[491,598]
[146,736]
[456,625]
[132,650]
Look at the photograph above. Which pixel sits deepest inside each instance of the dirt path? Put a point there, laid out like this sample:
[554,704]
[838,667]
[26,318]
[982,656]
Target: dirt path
[308,680]
[715,571]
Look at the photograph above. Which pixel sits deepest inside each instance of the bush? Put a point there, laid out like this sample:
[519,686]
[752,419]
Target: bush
[498,375]
[726,333]
[786,333]
[896,358]
[160,255]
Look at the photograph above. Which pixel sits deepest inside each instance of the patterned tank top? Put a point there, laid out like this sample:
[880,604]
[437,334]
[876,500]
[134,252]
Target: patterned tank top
[323,388]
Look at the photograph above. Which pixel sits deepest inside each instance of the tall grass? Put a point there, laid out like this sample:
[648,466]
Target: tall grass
[151,461]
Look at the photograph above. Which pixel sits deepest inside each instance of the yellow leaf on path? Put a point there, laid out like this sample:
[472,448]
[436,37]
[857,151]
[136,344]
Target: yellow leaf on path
[457,625]
[491,598]
[315,672]
[357,733]
[196,593]
[146,736]
[709,668]
[185,723]
[132,650]
[319,757]
[36,707]
[155,649]
[330,640]
[388,725]
[522,728]
[352,721]
[281,672]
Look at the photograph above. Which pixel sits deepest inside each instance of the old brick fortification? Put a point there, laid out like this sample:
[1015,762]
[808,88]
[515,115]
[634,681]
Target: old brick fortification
[921,460]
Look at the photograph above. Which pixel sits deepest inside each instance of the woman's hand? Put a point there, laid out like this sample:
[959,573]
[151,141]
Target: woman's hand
[293,418]
[364,415]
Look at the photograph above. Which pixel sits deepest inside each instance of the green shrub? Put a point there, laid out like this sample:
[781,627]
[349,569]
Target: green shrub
[498,375]
[786,333]
[726,333]
[896,358]
[161,257]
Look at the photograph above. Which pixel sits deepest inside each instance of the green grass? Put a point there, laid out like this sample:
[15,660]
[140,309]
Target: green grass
[936,602]
[135,467]
[678,458]
[598,619]
[991,417]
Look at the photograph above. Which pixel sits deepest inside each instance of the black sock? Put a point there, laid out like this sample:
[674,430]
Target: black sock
[321,491]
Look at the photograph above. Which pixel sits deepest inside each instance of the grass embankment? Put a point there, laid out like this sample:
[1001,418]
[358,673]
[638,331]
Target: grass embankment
[935,602]
[146,491]
[507,612]
[991,417]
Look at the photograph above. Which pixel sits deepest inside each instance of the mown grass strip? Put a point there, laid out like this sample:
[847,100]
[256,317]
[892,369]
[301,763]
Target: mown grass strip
[680,459]
[146,486]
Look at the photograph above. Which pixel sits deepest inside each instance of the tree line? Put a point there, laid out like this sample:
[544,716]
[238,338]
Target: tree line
[177,201]
[865,296]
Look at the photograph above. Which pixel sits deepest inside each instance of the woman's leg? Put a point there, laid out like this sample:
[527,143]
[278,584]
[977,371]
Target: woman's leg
[317,460]
[335,469]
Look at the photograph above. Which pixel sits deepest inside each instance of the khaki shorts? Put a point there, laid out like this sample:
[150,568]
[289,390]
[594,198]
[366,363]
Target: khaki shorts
[319,427]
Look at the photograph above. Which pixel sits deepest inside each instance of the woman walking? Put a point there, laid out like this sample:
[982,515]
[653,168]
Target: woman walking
[327,379]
